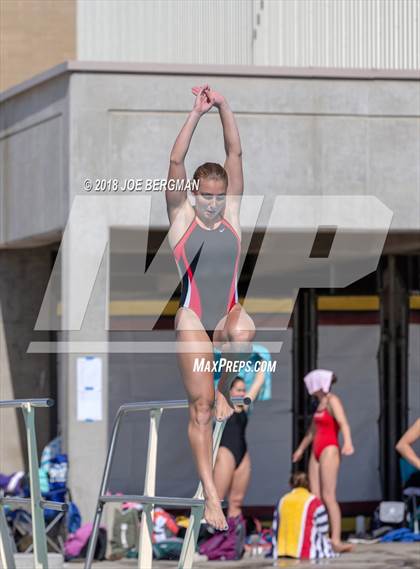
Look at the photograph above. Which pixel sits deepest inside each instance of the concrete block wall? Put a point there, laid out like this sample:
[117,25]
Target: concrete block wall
[300,136]
[34,135]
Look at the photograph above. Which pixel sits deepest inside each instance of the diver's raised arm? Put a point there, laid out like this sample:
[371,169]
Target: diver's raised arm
[176,199]
[232,142]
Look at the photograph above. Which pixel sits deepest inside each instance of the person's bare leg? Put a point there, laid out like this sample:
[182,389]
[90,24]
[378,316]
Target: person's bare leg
[313,471]
[329,464]
[200,391]
[239,487]
[223,471]
[233,335]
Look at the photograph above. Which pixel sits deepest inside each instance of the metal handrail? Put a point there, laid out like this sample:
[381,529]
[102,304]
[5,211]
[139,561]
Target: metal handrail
[151,406]
[45,504]
[149,499]
[160,500]
[28,407]
[172,404]
[32,402]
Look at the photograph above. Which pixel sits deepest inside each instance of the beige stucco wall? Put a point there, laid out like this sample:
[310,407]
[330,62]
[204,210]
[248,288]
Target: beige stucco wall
[34,35]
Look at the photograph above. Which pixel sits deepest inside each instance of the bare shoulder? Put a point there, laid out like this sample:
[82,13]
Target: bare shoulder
[180,219]
[334,399]
[334,403]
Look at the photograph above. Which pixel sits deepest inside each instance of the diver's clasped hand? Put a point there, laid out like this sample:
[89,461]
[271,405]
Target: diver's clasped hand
[206,98]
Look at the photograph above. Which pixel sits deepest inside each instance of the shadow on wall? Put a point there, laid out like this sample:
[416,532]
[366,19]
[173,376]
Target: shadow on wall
[24,275]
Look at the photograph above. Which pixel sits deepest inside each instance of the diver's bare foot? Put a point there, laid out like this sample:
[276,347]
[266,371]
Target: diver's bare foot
[213,514]
[341,547]
[223,410]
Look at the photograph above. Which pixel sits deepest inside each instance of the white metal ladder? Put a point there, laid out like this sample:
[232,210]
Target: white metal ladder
[28,407]
[148,499]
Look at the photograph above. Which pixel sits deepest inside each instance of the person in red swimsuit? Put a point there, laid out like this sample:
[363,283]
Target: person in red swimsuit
[326,432]
[329,418]
[205,240]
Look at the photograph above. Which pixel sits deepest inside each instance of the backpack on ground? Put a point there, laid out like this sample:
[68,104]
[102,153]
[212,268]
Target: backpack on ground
[125,532]
[229,545]
[77,543]
[169,549]
[100,549]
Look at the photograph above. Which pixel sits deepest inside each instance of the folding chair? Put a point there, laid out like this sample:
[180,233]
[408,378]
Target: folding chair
[55,523]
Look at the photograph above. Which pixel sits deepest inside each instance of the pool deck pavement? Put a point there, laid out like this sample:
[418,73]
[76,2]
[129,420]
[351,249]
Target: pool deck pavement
[370,556]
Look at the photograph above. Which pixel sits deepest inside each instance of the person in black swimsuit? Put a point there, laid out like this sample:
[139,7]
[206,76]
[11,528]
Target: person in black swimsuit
[233,437]
[232,471]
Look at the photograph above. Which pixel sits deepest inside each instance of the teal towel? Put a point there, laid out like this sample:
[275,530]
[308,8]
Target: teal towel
[259,353]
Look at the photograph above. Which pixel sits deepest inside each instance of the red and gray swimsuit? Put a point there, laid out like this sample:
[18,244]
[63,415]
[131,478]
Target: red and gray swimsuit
[208,264]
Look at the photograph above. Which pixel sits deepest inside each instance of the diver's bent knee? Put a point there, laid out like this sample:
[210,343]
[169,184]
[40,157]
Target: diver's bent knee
[240,339]
[202,412]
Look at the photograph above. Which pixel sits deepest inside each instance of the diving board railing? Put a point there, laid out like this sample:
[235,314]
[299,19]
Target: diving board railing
[36,502]
[148,499]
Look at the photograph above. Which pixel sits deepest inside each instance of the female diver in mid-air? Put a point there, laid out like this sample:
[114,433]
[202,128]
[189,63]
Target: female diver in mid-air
[205,239]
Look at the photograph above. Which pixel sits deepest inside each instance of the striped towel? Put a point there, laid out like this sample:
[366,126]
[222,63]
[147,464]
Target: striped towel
[300,527]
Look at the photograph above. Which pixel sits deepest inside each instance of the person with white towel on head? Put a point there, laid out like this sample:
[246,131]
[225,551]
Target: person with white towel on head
[328,420]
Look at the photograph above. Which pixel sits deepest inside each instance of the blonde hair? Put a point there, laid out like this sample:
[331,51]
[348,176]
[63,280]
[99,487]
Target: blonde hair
[211,171]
